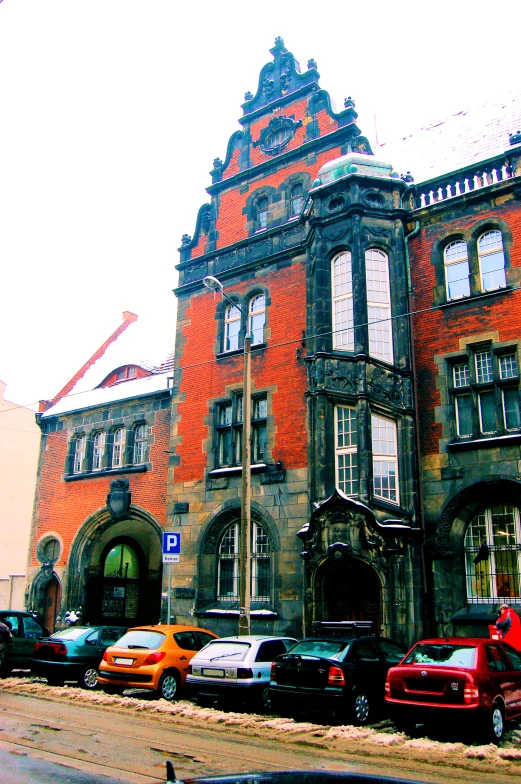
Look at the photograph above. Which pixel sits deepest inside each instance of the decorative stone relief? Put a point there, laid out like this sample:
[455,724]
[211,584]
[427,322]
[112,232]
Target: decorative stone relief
[384,385]
[340,375]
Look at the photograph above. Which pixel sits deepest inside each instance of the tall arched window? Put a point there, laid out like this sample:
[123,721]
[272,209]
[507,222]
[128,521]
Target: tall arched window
[118,447]
[492,555]
[121,561]
[232,327]
[140,444]
[257,317]
[457,270]
[342,289]
[491,261]
[98,449]
[379,305]
[228,564]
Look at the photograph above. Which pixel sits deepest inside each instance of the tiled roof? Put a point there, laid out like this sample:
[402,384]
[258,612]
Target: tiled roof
[460,140]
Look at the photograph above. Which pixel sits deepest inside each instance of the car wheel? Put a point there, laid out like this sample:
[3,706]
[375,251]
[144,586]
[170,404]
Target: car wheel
[494,727]
[109,689]
[265,700]
[405,724]
[362,708]
[54,681]
[90,678]
[168,686]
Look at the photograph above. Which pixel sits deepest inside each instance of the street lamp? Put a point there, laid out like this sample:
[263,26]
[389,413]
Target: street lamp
[245,531]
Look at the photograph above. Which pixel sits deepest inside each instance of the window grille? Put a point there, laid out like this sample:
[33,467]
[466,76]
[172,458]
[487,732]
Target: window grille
[461,375]
[492,555]
[228,577]
[484,372]
[346,428]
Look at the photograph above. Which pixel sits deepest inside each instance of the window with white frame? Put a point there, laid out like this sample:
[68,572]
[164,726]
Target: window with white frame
[491,261]
[232,328]
[379,305]
[457,270]
[261,214]
[257,317]
[140,443]
[230,428]
[98,449]
[486,393]
[385,458]
[342,305]
[78,454]
[492,555]
[228,585]
[296,201]
[346,447]
[118,447]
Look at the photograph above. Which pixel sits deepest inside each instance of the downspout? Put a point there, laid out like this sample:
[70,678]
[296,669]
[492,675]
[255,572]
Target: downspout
[426,614]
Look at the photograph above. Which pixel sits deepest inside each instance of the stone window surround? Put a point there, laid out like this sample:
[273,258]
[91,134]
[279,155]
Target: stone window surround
[471,236]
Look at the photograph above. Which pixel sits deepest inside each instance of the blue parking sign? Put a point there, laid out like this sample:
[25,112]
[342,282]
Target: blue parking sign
[171,546]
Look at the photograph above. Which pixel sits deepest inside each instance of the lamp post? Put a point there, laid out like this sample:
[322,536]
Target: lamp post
[245,530]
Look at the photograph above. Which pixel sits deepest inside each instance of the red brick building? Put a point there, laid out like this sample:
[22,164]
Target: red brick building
[385,369]
[101,489]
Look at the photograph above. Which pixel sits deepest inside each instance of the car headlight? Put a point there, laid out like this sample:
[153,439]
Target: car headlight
[196,670]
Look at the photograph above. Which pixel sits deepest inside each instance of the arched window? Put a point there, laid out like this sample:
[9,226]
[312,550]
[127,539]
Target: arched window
[491,261]
[457,270]
[232,327]
[492,553]
[140,443]
[118,447]
[261,214]
[78,454]
[98,449]
[121,561]
[257,317]
[342,305]
[228,564]
[379,305]
[296,201]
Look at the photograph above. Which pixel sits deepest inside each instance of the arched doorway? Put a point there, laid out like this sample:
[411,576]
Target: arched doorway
[351,591]
[52,603]
[121,593]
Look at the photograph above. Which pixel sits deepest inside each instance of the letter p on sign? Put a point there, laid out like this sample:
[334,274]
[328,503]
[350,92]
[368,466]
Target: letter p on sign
[171,546]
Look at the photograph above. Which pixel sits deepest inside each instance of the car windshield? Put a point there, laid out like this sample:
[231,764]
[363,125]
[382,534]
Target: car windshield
[141,638]
[73,633]
[326,649]
[223,649]
[442,655]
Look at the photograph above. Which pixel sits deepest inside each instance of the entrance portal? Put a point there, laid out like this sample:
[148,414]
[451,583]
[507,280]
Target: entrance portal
[351,592]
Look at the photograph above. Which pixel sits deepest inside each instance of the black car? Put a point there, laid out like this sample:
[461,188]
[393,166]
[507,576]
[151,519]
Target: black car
[74,654]
[25,631]
[341,669]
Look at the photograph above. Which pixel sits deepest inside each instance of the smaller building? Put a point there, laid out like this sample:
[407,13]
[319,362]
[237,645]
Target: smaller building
[101,491]
[18,462]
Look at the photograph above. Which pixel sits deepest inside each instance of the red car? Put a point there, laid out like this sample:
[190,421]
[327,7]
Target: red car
[475,680]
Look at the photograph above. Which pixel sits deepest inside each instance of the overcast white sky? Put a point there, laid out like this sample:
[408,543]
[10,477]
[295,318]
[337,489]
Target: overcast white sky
[112,112]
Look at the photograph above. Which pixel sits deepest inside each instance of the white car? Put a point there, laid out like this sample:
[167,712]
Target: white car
[236,668]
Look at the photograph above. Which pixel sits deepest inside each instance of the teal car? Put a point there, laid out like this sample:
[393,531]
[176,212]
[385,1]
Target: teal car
[74,654]
[25,631]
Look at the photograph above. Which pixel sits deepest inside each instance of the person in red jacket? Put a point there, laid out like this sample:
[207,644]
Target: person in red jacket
[509,626]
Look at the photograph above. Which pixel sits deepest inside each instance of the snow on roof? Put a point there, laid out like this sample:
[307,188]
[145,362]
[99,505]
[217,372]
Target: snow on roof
[460,140]
[144,343]
[93,398]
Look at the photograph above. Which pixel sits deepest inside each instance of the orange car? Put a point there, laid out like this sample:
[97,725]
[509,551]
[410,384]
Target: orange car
[152,657]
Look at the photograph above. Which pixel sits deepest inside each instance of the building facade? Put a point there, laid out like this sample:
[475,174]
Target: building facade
[101,491]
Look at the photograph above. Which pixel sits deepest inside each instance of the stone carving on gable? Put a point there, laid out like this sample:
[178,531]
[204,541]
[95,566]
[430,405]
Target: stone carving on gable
[277,134]
[340,376]
[385,385]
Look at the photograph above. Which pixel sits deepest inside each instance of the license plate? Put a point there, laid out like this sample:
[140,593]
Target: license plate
[121,660]
[212,673]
